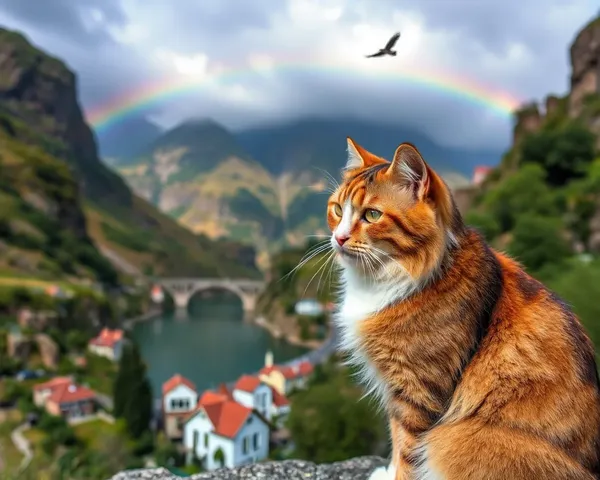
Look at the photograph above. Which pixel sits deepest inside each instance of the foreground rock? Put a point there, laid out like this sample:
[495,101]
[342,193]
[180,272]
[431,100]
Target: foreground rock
[354,469]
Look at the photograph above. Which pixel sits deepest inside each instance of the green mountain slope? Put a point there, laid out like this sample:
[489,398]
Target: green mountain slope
[38,91]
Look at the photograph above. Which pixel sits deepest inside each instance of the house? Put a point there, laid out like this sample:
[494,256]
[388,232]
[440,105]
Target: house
[42,391]
[61,396]
[252,393]
[285,378]
[224,433]
[108,343]
[480,174]
[179,399]
[280,408]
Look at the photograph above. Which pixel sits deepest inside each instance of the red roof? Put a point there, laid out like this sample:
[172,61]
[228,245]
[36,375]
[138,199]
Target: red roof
[107,338]
[301,369]
[279,400]
[306,368]
[174,382]
[287,372]
[227,417]
[223,390]
[247,383]
[54,383]
[69,393]
[210,398]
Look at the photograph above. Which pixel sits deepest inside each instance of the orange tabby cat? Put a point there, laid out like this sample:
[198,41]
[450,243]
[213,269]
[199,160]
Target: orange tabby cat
[485,374]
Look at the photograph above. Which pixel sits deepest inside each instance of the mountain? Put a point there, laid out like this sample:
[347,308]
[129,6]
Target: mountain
[126,139]
[266,187]
[54,174]
[320,143]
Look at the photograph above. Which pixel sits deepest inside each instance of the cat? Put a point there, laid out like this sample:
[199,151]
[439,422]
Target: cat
[483,372]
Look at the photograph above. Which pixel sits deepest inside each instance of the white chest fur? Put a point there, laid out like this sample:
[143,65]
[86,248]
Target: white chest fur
[360,299]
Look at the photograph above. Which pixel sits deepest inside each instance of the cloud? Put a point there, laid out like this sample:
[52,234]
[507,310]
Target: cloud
[262,61]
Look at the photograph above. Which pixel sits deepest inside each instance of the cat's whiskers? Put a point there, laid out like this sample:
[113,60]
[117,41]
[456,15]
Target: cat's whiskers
[330,257]
[325,258]
[309,255]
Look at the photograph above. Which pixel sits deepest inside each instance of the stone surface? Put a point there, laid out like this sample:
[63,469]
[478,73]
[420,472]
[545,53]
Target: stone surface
[585,73]
[353,469]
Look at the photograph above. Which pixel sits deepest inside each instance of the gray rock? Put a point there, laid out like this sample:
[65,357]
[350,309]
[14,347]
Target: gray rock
[354,469]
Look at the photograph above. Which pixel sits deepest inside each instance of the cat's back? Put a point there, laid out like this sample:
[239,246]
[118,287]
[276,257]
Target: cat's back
[535,370]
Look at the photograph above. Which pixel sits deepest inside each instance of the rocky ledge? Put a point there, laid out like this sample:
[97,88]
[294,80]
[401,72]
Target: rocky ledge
[354,469]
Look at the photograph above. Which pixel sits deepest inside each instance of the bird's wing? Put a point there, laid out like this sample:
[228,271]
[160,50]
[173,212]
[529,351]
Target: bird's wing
[392,41]
[378,54]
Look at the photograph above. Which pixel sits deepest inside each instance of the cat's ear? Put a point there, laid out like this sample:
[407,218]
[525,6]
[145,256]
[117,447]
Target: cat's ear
[409,168]
[355,158]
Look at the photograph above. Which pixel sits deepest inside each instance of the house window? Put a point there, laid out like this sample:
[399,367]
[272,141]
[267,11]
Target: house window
[245,446]
[195,441]
[180,404]
[206,440]
[255,441]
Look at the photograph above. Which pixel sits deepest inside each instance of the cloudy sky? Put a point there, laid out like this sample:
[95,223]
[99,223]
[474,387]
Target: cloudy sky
[256,61]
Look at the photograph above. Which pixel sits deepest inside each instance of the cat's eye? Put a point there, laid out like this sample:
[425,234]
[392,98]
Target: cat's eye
[337,209]
[372,215]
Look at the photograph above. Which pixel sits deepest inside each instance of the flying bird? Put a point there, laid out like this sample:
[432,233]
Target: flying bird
[387,50]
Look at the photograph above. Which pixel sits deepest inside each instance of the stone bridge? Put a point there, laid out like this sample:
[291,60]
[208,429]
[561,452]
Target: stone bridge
[182,289]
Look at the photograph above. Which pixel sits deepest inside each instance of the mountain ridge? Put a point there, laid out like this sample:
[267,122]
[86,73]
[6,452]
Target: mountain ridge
[231,185]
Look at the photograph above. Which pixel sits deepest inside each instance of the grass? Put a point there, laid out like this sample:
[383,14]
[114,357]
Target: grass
[9,420]
[93,434]
[99,374]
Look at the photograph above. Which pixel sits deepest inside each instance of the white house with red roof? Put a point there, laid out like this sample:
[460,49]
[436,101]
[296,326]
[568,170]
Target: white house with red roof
[179,399]
[224,433]
[108,343]
[252,393]
[62,396]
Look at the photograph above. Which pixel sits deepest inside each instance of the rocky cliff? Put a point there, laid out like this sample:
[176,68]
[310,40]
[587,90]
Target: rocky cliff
[44,137]
[41,91]
[354,469]
[585,66]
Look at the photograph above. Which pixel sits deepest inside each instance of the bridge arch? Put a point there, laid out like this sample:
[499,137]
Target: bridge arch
[183,289]
[244,299]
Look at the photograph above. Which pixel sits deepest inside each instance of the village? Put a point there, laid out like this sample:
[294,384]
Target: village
[235,424]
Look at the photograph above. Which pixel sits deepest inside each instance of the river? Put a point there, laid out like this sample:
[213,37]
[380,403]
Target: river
[208,344]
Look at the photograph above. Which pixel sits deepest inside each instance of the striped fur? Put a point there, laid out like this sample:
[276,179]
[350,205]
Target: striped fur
[484,373]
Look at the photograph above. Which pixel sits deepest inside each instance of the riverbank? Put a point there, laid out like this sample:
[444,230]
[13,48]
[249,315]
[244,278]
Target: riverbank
[293,339]
[149,315]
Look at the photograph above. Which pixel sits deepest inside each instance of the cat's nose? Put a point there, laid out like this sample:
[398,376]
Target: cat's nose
[341,239]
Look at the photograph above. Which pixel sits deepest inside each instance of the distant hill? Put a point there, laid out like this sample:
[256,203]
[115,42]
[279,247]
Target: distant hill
[57,190]
[126,139]
[321,143]
[266,187]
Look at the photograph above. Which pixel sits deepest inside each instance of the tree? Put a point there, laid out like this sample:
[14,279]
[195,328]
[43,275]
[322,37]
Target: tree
[132,392]
[486,224]
[76,340]
[328,421]
[564,153]
[578,286]
[538,242]
[524,192]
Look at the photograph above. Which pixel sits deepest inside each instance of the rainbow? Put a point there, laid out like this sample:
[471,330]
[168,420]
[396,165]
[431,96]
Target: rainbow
[140,99]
